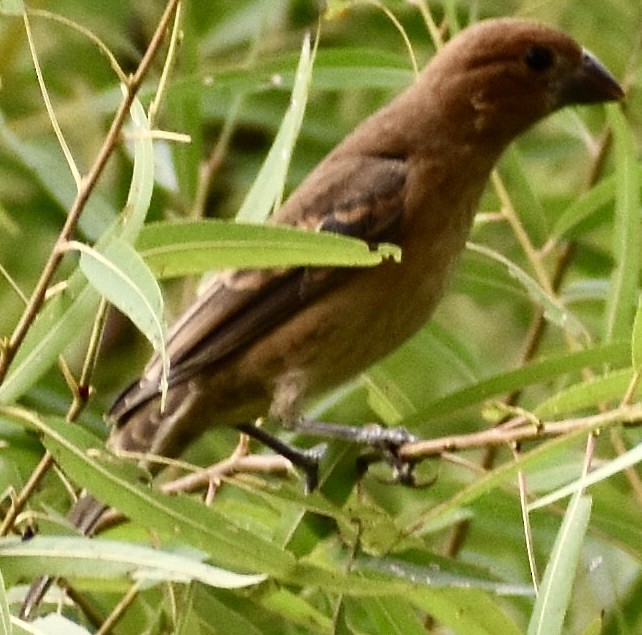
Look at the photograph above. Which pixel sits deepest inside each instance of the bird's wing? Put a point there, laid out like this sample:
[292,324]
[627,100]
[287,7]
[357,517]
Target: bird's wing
[363,199]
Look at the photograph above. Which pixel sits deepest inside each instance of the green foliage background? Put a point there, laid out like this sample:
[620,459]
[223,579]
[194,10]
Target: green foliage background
[361,555]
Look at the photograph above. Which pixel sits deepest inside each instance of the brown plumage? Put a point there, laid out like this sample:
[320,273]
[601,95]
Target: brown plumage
[411,174]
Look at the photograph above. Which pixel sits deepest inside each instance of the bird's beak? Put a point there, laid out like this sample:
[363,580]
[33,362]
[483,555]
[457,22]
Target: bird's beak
[590,84]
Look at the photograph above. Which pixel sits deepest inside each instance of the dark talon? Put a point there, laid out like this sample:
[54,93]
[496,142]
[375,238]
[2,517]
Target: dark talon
[310,465]
[403,472]
[307,460]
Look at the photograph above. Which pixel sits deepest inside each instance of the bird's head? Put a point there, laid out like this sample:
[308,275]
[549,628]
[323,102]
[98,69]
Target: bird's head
[501,76]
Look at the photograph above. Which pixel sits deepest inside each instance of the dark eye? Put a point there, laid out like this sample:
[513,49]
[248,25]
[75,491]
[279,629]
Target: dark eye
[538,58]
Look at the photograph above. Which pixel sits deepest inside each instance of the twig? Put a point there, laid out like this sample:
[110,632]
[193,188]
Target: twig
[73,168]
[120,608]
[265,464]
[535,333]
[251,463]
[81,391]
[526,523]
[517,431]
[87,186]
[20,500]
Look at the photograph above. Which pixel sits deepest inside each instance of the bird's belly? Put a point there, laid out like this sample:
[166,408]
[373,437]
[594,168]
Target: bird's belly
[347,331]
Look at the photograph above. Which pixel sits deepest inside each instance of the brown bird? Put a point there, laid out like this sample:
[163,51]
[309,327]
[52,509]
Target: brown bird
[411,174]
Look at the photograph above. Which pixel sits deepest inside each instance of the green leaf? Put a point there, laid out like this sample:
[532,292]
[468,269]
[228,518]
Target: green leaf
[68,313]
[385,398]
[610,468]
[623,297]
[5,613]
[59,323]
[267,189]
[555,593]
[78,556]
[586,394]
[295,609]
[121,276]
[194,247]
[433,577]
[181,517]
[554,310]
[392,615]
[539,371]
[583,207]
[220,607]
[142,181]
[465,611]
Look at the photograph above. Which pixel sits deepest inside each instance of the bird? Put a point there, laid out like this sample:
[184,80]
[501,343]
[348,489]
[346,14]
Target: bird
[258,342]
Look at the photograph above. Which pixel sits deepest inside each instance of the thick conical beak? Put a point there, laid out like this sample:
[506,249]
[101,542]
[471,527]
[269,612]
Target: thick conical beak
[590,84]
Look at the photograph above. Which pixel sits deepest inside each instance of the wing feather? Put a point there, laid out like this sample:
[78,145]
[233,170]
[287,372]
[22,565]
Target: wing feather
[363,199]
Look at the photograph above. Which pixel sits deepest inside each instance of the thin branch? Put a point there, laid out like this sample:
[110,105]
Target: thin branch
[526,523]
[167,67]
[20,500]
[13,284]
[102,47]
[119,610]
[265,463]
[532,254]
[73,168]
[517,431]
[87,186]
[81,391]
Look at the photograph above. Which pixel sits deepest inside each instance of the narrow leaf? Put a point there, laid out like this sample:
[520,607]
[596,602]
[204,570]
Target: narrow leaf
[62,319]
[555,593]
[622,462]
[554,311]
[583,207]
[5,613]
[79,556]
[623,297]
[179,248]
[142,182]
[539,371]
[267,189]
[179,516]
[586,394]
[121,276]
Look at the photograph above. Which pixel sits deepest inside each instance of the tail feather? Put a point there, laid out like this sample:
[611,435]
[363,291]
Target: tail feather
[84,515]
[139,426]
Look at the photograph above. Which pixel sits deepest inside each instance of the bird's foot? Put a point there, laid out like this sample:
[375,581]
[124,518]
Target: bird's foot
[372,434]
[385,443]
[308,460]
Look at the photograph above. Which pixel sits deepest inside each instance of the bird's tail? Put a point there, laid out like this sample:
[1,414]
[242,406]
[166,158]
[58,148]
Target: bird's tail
[137,425]
[84,515]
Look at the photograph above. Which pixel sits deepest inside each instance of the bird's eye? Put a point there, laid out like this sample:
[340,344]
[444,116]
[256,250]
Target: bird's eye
[538,58]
